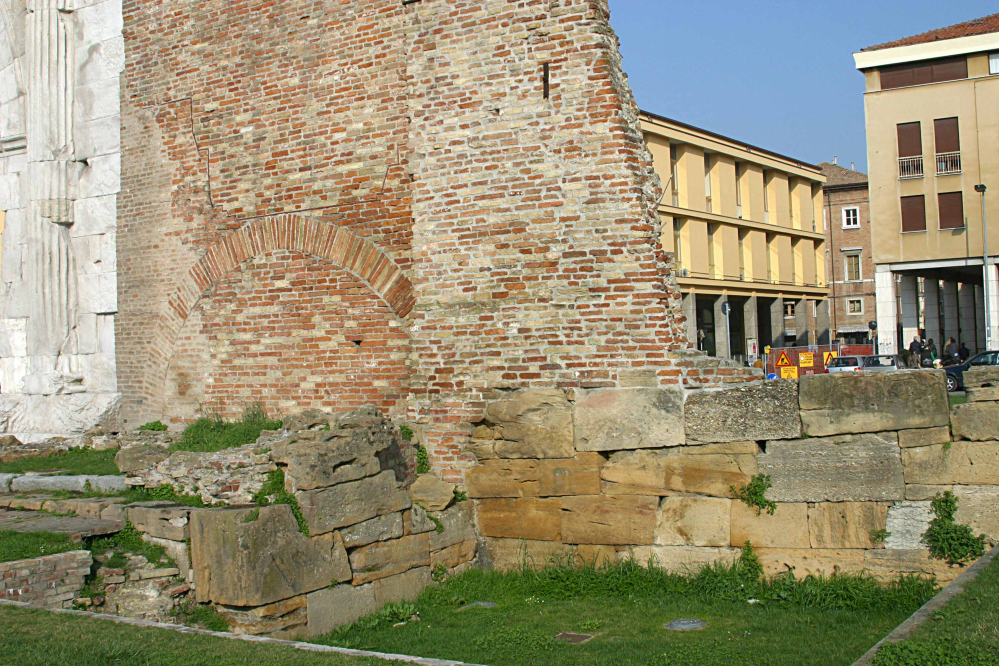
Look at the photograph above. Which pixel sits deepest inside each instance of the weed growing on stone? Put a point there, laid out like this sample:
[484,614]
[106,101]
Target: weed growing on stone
[406,432]
[28,545]
[200,615]
[213,433]
[73,462]
[460,496]
[128,541]
[946,538]
[155,426]
[422,460]
[438,525]
[252,516]
[273,492]
[439,573]
[878,537]
[753,494]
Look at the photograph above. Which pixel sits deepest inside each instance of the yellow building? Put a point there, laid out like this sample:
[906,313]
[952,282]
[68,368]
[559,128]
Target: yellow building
[932,105]
[745,225]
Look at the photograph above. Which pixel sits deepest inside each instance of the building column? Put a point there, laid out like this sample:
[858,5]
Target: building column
[979,319]
[931,310]
[992,335]
[751,323]
[966,303]
[689,308]
[801,328]
[777,322]
[823,333]
[722,347]
[951,312]
[910,309]
[884,290]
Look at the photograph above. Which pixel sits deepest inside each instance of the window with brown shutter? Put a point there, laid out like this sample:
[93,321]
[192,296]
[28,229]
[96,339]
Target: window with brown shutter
[947,136]
[910,141]
[927,71]
[951,207]
[914,213]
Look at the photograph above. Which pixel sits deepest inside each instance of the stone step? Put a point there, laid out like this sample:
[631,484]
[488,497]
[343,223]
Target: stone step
[32,482]
[76,527]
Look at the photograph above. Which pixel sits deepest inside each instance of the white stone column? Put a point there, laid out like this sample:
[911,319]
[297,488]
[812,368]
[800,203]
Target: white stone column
[750,323]
[969,328]
[884,289]
[992,336]
[910,308]
[777,322]
[823,332]
[980,318]
[931,310]
[689,306]
[722,347]
[952,315]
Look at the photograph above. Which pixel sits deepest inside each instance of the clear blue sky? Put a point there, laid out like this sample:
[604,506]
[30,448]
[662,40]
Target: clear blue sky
[779,75]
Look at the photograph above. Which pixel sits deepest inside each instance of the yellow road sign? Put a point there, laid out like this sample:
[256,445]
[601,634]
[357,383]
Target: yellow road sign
[806,360]
[789,372]
[783,361]
[827,356]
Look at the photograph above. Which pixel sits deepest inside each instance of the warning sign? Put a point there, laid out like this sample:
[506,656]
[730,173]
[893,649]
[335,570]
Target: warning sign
[783,361]
[789,372]
[826,356]
[806,360]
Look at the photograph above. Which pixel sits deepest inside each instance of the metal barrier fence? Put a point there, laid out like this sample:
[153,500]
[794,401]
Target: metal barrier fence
[793,362]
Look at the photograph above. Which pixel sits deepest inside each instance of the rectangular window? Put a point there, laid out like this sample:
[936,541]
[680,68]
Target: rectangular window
[707,183]
[738,190]
[851,218]
[855,306]
[853,267]
[910,140]
[928,71]
[742,254]
[913,213]
[951,207]
[788,309]
[946,135]
[770,265]
[674,184]
[994,63]
[677,244]
[711,250]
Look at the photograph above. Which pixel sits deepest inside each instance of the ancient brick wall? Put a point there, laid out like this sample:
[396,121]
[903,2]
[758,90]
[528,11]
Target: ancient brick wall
[52,581]
[412,156]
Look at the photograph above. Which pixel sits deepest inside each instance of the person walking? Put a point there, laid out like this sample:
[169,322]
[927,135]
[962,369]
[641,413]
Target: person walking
[951,351]
[928,354]
[964,352]
[915,352]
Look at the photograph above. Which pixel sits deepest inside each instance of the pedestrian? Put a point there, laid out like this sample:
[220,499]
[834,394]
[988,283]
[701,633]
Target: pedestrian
[915,352]
[951,350]
[928,354]
[964,352]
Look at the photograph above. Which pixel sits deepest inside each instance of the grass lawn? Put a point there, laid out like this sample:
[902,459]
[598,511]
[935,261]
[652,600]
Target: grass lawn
[213,433]
[39,638]
[964,633]
[799,623]
[958,399]
[72,462]
[26,545]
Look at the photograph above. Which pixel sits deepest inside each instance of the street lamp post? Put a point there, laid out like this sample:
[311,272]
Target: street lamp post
[980,188]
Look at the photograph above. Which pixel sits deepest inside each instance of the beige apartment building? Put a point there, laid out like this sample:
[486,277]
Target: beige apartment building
[932,107]
[745,226]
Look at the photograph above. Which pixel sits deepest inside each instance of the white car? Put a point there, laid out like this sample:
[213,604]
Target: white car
[845,364]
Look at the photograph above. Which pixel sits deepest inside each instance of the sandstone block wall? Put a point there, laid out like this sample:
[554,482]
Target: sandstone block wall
[848,456]
[52,581]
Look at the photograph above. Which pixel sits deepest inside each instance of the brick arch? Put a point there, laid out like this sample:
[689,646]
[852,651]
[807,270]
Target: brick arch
[335,244]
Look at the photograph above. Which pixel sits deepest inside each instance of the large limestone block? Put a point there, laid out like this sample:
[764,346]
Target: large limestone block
[532,424]
[977,421]
[139,458]
[431,493]
[342,455]
[693,521]
[162,522]
[916,491]
[256,556]
[846,468]
[673,471]
[679,559]
[986,376]
[910,439]
[336,606]
[637,418]
[606,520]
[845,524]
[536,478]
[530,518]
[906,523]
[983,394]
[389,558]
[971,463]
[855,402]
[353,502]
[381,528]
[810,561]
[402,587]
[453,556]
[887,564]
[787,528]
[768,410]
[459,526]
[978,507]
[516,554]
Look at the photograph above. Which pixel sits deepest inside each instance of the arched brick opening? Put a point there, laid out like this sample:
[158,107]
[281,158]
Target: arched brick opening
[248,295]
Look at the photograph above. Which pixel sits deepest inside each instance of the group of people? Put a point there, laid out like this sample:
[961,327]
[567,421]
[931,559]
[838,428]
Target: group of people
[928,356]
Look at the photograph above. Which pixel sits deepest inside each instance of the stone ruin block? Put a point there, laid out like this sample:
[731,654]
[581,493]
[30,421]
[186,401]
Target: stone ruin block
[767,410]
[163,520]
[389,558]
[605,520]
[986,376]
[352,502]
[530,424]
[966,463]
[857,402]
[536,478]
[977,421]
[678,470]
[621,419]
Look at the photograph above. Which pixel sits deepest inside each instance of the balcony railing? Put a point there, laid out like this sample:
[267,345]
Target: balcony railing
[948,163]
[910,167]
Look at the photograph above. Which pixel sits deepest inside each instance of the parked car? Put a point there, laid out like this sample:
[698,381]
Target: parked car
[845,364]
[955,373]
[884,362]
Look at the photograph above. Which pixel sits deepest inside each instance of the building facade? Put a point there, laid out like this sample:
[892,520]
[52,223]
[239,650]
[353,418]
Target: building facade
[745,227]
[932,109]
[847,218]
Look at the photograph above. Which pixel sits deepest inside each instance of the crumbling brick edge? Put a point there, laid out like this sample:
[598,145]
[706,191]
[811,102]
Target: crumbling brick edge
[298,645]
[927,610]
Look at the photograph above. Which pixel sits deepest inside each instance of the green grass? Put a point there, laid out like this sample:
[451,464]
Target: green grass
[214,433]
[958,399]
[26,545]
[964,633]
[128,540]
[803,622]
[72,462]
[40,638]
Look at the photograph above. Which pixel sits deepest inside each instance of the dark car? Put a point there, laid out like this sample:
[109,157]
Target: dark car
[955,373]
